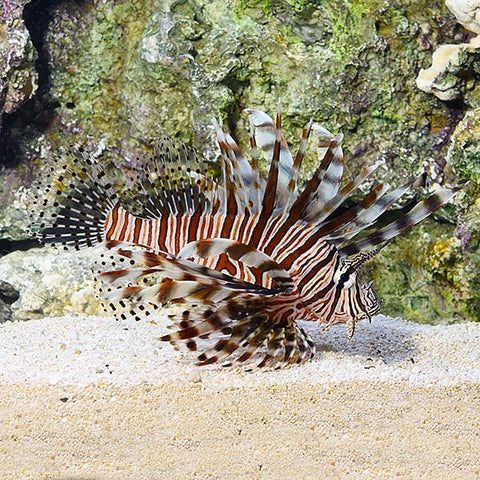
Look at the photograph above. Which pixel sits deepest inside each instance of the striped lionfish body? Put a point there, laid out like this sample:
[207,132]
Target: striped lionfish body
[253,255]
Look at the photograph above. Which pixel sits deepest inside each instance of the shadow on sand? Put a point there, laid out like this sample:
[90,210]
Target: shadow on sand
[390,340]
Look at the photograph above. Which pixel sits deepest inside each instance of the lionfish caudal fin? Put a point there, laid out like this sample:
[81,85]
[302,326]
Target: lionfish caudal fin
[256,301]
[75,201]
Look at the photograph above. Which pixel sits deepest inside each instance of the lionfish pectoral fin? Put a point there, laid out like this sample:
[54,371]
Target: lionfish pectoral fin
[241,326]
[180,280]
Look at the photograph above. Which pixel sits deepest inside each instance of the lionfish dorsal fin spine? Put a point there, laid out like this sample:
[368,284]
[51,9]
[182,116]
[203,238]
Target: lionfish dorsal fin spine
[269,201]
[350,215]
[267,136]
[419,212]
[234,200]
[318,214]
[328,187]
[369,215]
[302,148]
[305,198]
[257,181]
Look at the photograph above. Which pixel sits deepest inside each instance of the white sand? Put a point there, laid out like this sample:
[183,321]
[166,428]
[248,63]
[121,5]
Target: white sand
[83,351]
[92,398]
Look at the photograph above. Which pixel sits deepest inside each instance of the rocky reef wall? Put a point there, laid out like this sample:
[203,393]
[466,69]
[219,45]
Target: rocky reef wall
[116,75]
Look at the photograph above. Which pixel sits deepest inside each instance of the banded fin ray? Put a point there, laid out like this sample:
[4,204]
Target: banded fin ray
[242,253]
[257,185]
[318,213]
[181,269]
[330,183]
[246,326]
[369,215]
[175,180]
[236,197]
[268,138]
[171,291]
[295,170]
[418,213]
[352,214]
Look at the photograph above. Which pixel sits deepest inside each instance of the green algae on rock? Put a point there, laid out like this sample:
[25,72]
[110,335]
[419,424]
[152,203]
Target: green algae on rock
[464,152]
[18,77]
[435,282]
[121,74]
[177,64]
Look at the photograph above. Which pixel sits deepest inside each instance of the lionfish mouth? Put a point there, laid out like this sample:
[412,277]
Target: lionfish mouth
[248,255]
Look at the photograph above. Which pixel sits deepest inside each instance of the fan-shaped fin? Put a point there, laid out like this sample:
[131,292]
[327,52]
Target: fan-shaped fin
[246,324]
[174,181]
[76,204]
[181,269]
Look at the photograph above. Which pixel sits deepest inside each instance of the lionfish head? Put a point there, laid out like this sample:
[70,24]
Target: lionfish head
[370,299]
[356,300]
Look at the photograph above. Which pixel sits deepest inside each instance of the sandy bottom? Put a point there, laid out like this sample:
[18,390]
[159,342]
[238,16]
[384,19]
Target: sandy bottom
[347,430]
[94,399]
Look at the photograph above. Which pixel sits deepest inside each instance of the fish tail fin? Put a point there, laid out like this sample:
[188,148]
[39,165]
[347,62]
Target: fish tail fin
[75,205]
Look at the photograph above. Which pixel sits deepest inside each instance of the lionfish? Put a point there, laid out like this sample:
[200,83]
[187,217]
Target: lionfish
[249,255]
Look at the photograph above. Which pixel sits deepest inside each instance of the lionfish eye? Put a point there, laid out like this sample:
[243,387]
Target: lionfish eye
[344,277]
